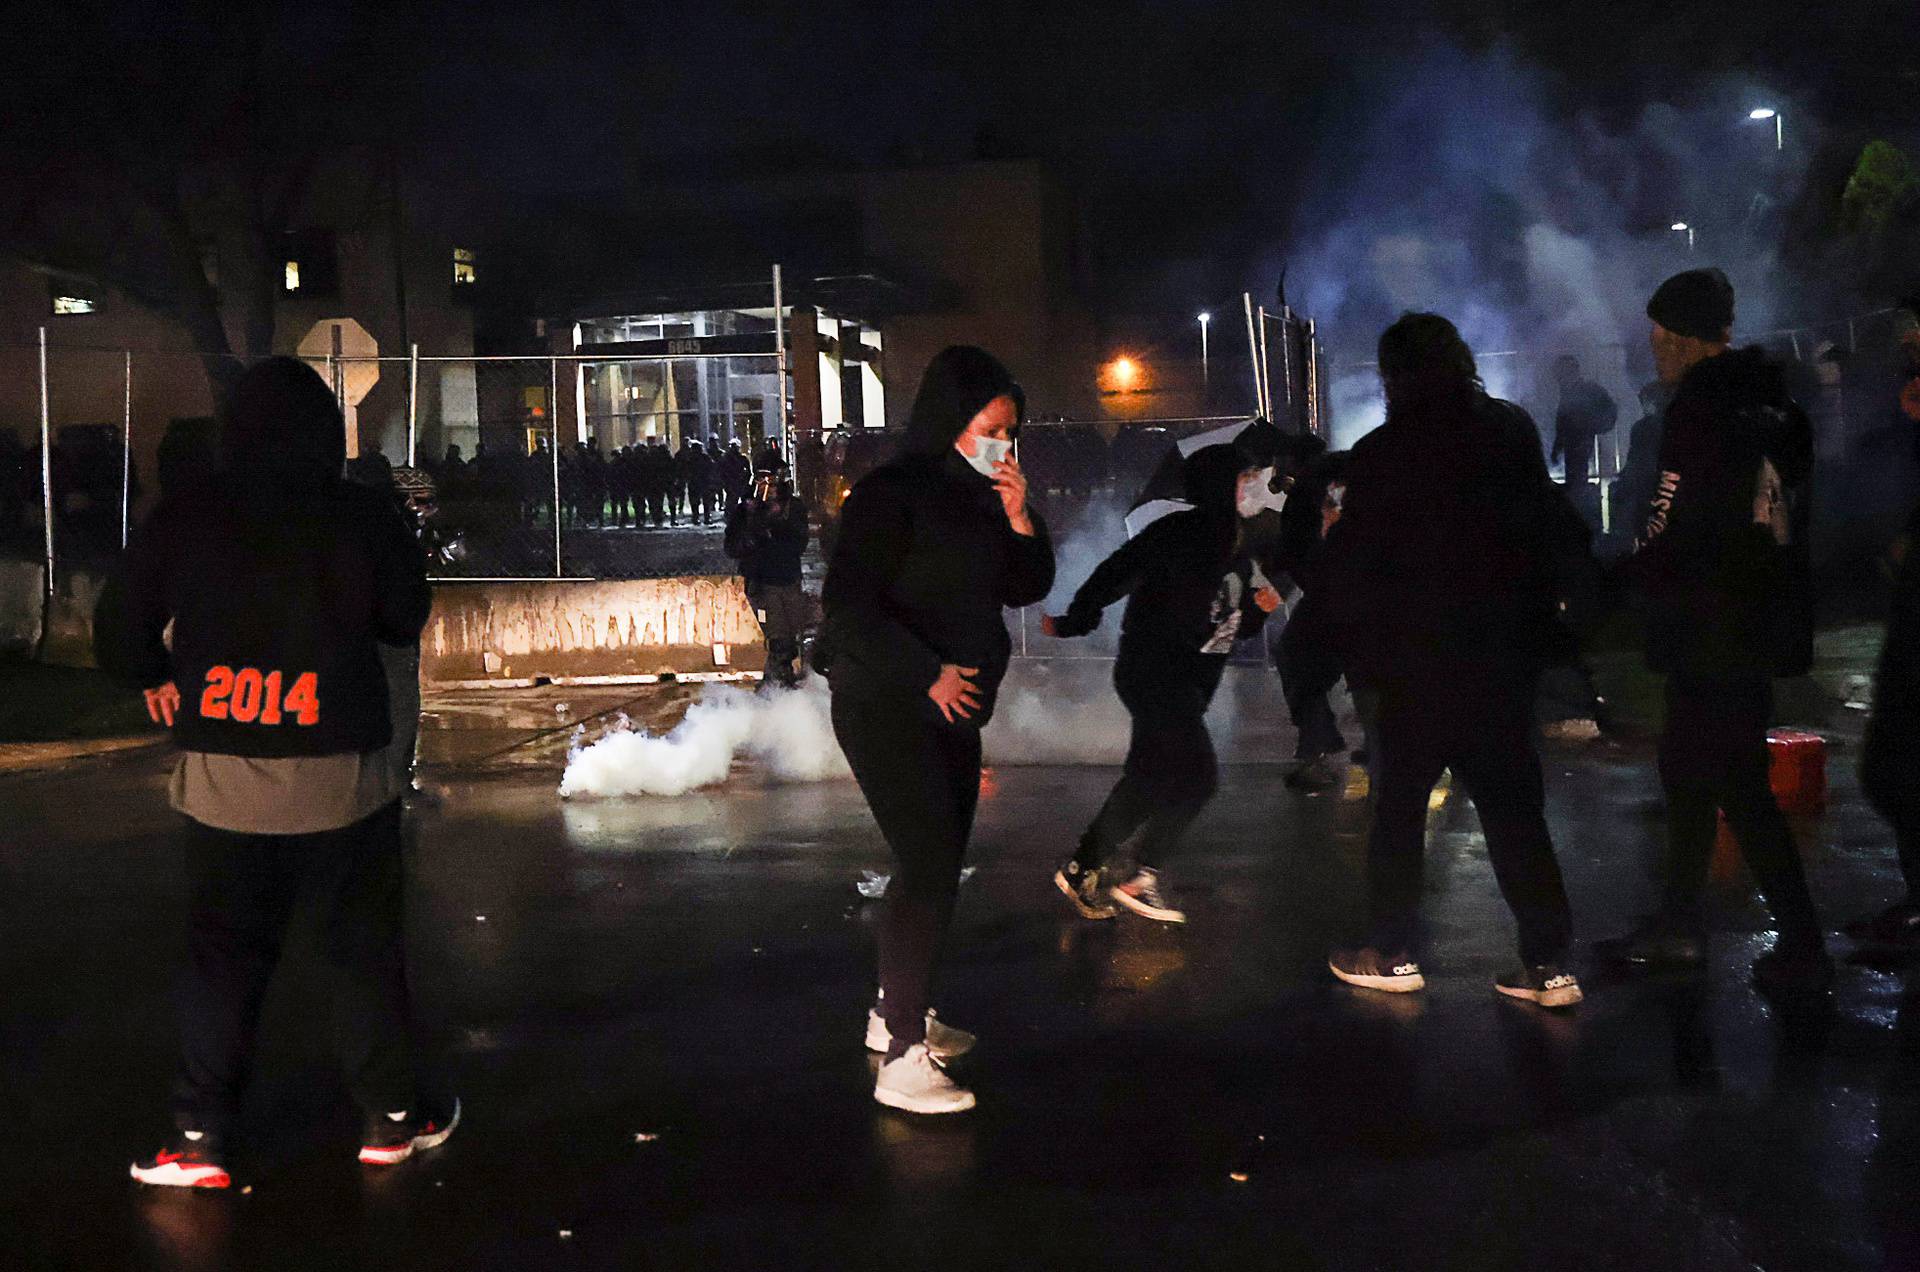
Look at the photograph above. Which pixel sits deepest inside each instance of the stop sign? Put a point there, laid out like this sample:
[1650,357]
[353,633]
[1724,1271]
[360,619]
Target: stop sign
[357,377]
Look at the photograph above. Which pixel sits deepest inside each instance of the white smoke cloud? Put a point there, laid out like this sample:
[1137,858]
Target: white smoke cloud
[789,733]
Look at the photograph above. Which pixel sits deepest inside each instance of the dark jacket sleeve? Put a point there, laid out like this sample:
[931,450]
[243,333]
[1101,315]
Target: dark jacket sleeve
[1116,577]
[1029,575]
[133,610]
[402,599]
[875,527]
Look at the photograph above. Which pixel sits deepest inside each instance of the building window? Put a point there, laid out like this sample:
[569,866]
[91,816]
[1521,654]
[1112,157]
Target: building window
[63,304]
[463,275]
[310,264]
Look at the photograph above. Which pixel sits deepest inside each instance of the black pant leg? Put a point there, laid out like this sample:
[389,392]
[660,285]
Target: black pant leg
[242,890]
[1171,770]
[1409,761]
[922,781]
[1754,816]
[1499,767]
[1690,764]
[1309,668]
[356,882]
[1714,758]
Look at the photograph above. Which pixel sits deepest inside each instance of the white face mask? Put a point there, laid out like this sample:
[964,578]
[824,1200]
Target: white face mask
[1254,496]
[987,451]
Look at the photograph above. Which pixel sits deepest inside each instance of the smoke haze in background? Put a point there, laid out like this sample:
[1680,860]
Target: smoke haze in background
[1457,186]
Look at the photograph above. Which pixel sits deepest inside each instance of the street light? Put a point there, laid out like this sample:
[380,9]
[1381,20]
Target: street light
[1681,227]
[1206,374]
[1779,122]
[1125,372]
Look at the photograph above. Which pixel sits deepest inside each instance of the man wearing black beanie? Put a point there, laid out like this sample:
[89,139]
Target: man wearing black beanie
[1722,561]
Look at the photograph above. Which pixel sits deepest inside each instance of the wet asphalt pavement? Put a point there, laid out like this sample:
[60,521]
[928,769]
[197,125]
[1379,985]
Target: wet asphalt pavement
[596,974]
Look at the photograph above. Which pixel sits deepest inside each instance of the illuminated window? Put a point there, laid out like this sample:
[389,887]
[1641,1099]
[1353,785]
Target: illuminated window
[463,275]
[73,305]
[311,263]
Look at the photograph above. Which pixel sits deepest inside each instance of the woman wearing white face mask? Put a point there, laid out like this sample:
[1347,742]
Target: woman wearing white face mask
[932,546]
[1193,589]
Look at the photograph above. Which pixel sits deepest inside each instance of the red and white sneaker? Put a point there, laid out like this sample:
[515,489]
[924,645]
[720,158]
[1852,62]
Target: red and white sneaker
[191,1159]
[391,1138]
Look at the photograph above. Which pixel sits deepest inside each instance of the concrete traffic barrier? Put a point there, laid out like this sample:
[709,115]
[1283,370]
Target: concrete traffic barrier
[516,633]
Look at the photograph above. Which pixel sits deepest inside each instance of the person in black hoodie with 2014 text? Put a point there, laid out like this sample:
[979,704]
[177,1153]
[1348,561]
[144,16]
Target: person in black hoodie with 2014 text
[1193,589]
[931,548]
[279,579]
[1723,565]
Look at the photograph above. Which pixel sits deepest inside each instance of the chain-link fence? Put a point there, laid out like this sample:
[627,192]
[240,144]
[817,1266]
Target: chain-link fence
[624,493]
[528,467]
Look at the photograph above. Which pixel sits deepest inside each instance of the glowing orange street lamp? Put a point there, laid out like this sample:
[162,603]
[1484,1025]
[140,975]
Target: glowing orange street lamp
[1125,372]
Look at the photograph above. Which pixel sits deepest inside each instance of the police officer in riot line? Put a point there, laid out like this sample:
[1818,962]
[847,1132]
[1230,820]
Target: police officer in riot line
[767,534]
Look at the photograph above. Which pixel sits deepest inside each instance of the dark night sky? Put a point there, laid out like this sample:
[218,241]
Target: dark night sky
[1191,130]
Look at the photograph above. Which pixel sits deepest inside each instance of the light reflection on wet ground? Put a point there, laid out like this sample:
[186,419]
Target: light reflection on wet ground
[699,968]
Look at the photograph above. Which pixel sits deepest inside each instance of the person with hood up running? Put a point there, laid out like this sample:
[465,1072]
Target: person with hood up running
[280,581]
[1193,589]
[1442,574]
[1723,565]
[932,547]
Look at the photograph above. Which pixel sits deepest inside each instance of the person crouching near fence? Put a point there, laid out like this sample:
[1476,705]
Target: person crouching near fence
[932,546]
[1193,590]
[1443,577]
[280,580]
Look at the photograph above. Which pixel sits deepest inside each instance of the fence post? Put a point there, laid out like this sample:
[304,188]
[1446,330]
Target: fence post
[413,404]
[126,455]
[780,362]
[1253,355]
[553,448]
[1266,369]
[46,481]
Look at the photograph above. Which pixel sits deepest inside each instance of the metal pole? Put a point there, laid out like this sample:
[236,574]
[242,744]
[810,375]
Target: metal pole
[126,455]
[1315,422]
[1286,361]
[780,361]
[553,449]
[1206,368]
[1266,369]
[46,478]
[413,404]
[1253,355]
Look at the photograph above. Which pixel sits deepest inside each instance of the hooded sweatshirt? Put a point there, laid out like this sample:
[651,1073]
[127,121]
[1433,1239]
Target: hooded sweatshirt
[278,577]
[926,559]
[1189,578]
[1723,555]
[1442,574]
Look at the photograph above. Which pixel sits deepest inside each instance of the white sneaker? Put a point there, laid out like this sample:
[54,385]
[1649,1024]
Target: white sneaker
[917,1083]
[944,1041]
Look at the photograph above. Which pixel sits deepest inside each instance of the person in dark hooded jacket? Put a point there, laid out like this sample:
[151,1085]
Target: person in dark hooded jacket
[1723,566]
[932,547]
[1890,753]
[1193,589]
[1442,575]
[279,580]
